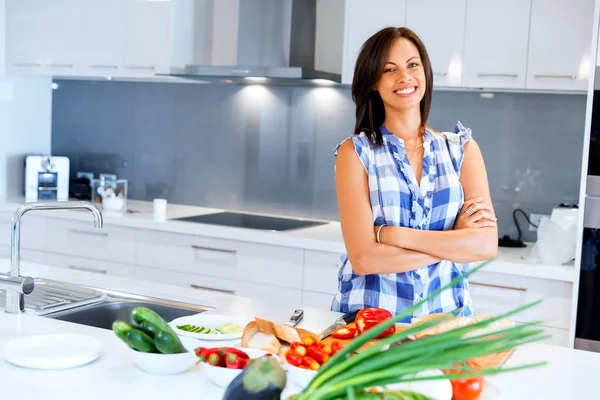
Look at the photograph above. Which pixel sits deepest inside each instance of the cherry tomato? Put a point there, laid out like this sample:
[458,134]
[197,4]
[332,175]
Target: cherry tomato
[300,350]
[293,358]
[466,388]
[309,341]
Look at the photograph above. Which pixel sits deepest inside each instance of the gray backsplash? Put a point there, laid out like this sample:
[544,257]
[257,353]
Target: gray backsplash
[269,148]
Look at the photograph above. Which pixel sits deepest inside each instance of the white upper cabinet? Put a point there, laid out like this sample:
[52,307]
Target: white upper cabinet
[102,35]
[496,43]
[147,36]
[560,41]
[25,28]
[441,26]
[363,19]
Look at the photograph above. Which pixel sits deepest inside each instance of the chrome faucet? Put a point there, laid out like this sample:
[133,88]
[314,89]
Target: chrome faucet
[18,286]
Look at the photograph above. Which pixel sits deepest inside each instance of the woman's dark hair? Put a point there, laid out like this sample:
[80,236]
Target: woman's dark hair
[369,67]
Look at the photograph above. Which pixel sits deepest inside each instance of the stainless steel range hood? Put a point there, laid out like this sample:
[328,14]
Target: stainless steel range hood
[258,39]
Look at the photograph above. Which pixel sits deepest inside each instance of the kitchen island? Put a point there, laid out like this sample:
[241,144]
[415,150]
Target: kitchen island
[569,374]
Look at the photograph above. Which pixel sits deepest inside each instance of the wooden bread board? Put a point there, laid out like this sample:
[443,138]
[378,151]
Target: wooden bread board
[289,335]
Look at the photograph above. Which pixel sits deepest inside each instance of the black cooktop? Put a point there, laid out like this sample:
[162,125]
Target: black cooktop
[240,220]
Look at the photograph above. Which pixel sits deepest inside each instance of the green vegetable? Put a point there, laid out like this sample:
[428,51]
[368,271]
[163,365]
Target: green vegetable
[228,328]
[376,367]
[195,329]
[389,395]
[120,328]
[139,341]
[168,343]
[141,314]
[148,328]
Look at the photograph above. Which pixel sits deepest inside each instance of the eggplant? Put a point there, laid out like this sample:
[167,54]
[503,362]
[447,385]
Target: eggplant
[262,379]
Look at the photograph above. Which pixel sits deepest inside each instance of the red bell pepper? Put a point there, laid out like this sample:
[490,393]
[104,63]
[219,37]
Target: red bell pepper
[344,333]
[369,317]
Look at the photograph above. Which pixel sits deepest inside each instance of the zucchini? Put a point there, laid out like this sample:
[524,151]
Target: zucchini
[141,314]
[149,328]
[120,328]
[168,343]
[139,341]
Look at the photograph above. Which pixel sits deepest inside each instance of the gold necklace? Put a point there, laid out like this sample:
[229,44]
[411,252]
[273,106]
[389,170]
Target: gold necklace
[414,148]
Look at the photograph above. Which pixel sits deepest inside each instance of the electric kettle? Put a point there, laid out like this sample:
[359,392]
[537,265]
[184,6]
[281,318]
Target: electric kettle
[565,216]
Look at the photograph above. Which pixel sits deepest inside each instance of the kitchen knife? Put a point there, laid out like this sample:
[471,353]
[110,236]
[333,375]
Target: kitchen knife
[340,322]
[296,317]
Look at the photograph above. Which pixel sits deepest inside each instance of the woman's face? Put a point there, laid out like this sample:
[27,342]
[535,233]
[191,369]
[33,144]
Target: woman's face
[402,84]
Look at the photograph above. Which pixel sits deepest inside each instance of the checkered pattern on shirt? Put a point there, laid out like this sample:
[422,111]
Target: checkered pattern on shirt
[397,200]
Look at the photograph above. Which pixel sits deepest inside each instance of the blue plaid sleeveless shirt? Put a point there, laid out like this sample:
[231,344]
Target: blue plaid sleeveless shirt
[397,200]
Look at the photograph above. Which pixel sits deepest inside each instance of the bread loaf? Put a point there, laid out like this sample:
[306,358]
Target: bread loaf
[254,338]
[459,322]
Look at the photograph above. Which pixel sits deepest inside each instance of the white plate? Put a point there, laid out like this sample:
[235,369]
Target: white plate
[489,392]
[208,321]
[56,351]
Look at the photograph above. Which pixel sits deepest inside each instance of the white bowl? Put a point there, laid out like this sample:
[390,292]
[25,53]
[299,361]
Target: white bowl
[222,376]
[300,376]
[167,364]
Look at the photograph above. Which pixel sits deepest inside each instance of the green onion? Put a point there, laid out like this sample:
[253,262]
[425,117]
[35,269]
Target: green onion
[346,377]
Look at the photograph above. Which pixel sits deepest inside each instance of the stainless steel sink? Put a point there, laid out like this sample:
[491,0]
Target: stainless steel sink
[118,306]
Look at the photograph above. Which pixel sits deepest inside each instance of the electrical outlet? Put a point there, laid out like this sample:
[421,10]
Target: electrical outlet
[535,219]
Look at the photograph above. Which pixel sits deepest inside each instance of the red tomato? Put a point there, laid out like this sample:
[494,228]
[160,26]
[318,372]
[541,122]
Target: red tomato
[466,388]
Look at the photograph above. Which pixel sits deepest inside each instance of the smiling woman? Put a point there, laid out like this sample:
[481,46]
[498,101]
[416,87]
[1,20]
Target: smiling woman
[401,189]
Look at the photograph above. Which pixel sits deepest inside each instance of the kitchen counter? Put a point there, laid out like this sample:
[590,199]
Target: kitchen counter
[569,373]
[327,238]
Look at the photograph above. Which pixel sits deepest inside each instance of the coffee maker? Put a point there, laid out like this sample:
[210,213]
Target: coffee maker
[46,178]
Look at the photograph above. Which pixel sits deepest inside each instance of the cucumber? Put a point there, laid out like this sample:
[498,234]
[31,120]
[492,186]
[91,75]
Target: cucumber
[120,328]
[168,343]
[138,340]
[149,328]
[141,314]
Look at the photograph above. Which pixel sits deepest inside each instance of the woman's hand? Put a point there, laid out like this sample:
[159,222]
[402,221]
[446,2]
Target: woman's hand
[481,217]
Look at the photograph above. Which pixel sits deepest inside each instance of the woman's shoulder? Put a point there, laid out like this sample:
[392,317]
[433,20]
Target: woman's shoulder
[459,136]
[357,142]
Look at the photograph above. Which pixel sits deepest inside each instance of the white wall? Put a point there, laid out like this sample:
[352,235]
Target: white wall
[25,126]
[2,36]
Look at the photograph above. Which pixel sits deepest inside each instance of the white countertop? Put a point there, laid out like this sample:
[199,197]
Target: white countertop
[328,237]
[569,373]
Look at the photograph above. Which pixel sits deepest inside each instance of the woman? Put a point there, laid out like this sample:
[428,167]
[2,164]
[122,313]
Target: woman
[401,189]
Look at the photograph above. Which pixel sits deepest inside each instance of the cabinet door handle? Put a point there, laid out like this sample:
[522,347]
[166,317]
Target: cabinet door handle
[96,271]
[537,76]
[143,67]
[232,252]
[212,289]
[498,286]
[101,66]
[60,65]
[483,75]
[440,73]
[25,64]
[83,232]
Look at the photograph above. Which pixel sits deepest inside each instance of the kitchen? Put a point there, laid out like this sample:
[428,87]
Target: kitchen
[109,100]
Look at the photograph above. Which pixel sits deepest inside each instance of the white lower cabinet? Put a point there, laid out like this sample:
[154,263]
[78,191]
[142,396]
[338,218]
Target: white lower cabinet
[81,239]
[316,300]
[281,296]
[33,231]
[221,258]
[90,265]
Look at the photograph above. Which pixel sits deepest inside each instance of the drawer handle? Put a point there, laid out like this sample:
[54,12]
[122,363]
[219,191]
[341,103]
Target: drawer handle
[555,76]
[440,73]
[83,232]
[100,66]
[97,271]
[25,64]
[142,67]
[498,75]
[211,289]
[60,65]
[233,252]
[499,286]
